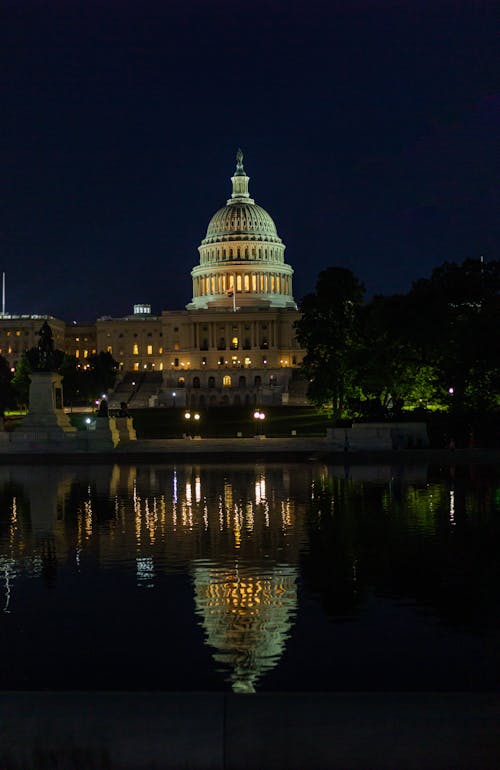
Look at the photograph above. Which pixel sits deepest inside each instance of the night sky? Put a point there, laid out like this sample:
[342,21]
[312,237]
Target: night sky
[369,133]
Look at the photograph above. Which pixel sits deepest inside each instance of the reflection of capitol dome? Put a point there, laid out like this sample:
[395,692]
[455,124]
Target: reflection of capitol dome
[247,616]
[242,252]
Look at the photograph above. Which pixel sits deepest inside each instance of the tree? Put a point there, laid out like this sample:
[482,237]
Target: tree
[7,396]
[329,331]
[456,320]
[390,368]
[21,381]
[102,372]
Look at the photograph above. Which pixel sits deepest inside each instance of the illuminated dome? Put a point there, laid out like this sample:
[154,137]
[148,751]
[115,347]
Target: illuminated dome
[242,256]
[238,221]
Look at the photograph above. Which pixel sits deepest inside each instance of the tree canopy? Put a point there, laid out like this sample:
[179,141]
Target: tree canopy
[329,331]
[437,345]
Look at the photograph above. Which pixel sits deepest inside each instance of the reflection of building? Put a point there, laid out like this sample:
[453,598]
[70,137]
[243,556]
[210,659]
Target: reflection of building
[247,615]
[234,343]
[235,531]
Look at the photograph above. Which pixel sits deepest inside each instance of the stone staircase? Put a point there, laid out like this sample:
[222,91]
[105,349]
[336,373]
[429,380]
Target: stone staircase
[136,389]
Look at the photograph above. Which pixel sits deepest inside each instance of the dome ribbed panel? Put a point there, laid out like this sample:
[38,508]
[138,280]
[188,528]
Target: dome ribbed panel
[241,221]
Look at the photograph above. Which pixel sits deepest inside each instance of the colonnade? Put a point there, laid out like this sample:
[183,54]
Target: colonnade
[248,334]
[256,283]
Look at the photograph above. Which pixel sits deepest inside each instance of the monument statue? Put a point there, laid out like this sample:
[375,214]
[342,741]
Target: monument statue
[44,357]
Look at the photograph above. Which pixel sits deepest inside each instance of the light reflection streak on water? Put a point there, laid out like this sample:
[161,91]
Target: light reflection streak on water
[8,569]
[174,485]
[237,527]
[13,521]
[88,519]
[249,516]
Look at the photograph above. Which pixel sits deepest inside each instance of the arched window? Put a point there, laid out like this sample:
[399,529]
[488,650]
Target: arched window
[211,382]
[234,343]
[196,382]
[226,381]
[257,380]
[181,382]
[242,381]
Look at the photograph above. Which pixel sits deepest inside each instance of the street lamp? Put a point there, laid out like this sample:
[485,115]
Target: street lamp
[259,418]
[173,398]
[188,417]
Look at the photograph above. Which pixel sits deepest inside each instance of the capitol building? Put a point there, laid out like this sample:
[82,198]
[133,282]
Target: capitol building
[233,344]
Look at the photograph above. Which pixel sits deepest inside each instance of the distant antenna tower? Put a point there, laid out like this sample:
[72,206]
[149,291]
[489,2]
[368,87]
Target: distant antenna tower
[3,295]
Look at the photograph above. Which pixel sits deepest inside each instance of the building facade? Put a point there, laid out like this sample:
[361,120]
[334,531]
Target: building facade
[234,343]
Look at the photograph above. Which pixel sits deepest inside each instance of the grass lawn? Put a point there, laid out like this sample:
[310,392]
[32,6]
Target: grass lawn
[223,422]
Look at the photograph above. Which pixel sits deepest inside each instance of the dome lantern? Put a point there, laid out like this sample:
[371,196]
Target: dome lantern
[241,253]
[240,183]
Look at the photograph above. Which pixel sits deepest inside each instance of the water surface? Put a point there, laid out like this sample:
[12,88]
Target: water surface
[249,577]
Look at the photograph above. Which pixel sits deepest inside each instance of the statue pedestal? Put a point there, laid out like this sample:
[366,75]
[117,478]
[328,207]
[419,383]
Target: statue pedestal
[46,421]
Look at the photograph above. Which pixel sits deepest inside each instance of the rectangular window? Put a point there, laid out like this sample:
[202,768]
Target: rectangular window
[160,351]
[150,350]
[136,366]
[135,350]
[77,354]
[85,353]
[109,349]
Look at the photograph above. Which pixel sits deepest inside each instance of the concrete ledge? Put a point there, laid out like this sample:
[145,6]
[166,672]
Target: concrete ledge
[209,731]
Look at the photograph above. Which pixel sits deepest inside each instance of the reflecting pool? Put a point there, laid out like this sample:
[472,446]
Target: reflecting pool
[250,577]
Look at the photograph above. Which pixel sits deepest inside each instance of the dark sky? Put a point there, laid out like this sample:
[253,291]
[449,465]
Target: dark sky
[368,130]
